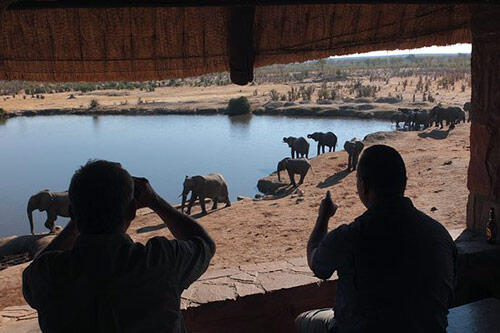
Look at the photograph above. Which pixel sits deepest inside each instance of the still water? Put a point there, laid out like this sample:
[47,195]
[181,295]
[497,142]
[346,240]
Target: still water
[43,152]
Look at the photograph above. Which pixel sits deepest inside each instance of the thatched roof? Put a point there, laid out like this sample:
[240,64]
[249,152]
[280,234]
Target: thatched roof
[51,41]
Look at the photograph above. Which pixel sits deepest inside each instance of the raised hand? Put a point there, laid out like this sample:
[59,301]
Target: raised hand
[144,194]
[327,208]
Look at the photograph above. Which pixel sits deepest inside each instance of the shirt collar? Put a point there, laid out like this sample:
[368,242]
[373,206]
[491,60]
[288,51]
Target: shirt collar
[392,203]
[86,240]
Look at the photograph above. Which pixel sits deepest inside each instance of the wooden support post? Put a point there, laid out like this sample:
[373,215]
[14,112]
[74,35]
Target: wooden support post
[484,168]
[240,41]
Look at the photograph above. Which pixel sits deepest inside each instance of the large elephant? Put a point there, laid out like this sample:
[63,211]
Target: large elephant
[400,117]
[353,148]
[328,139]
[422,118]
[294,166]
[440,114]
[299,146]
[457,114]
[54,203]
[211,186]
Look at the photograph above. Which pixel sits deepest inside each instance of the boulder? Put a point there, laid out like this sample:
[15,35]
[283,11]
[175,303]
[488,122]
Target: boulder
[268,186]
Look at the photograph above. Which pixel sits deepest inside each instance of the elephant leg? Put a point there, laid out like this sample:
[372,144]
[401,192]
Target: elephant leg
[214,206]
[292,178]
[228,202]
[50,222]
[301,180]
[202,205]
[191,202]
[355,161]
[323,149]
[349,160]
[319,147]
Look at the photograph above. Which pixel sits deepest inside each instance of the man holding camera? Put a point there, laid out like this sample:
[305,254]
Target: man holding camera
[93,278]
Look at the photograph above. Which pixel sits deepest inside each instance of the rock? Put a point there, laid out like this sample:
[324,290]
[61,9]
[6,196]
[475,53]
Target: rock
[447,163]
[258,196]
[433,209]
[268,186]
[378,137]
[240,198]
[289,104]
[271,105]
[324,101]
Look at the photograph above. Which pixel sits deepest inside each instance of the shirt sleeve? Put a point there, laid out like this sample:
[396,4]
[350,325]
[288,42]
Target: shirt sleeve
[331,253]
[188,259]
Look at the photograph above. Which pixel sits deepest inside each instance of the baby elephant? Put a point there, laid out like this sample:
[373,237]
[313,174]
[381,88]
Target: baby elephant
[299,146]
[211,186]
[294,166]
[54,203]
[353,148]
[327,139]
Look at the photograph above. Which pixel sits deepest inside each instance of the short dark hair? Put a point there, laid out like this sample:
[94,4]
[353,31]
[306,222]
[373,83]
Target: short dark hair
[383,170]
[100,193]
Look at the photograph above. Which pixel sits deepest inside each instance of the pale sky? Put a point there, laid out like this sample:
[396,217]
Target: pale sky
[457,48]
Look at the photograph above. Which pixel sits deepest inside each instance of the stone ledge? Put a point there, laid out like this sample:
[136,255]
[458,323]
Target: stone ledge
[250,297]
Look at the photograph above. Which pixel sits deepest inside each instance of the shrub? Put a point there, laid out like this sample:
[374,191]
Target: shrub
[275,96]
[93,104]
[238,106]
[2,113]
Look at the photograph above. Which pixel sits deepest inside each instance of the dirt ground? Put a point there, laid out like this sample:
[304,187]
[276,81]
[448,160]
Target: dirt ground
[274,229]
[185,97]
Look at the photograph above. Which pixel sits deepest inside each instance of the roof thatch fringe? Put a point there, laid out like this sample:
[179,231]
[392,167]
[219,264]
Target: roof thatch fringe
[154,43]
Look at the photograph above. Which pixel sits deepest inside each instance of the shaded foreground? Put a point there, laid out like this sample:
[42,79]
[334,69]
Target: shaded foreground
[277,228]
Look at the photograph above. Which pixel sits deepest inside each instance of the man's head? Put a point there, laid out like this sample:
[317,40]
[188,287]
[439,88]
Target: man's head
[381,174]
[102,198]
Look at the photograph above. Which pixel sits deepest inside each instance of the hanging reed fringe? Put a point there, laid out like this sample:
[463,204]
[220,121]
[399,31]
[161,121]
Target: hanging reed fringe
[156,43]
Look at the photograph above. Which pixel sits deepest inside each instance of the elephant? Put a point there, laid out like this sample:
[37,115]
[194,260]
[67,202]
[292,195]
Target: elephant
[299,146]
[422,117]
[54,203]
[353,148]
[211,186]
[400,117]
[457,114]
[294,166]
[468,109]
[328,139]
[440,114]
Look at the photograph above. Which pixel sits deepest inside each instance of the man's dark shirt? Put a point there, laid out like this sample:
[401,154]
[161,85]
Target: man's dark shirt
[396,269]
[108,283]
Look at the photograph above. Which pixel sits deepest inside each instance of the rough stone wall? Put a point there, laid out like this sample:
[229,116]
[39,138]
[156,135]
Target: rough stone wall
[484,168]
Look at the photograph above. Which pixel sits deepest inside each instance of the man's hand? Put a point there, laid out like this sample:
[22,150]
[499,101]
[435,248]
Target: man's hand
[144,194]
[327,208]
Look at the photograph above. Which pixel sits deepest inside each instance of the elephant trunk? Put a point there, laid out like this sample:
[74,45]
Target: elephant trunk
[278,171]
[31,207]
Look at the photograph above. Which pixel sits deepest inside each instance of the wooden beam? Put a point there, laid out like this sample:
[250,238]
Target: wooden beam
[240,44]
[41,4]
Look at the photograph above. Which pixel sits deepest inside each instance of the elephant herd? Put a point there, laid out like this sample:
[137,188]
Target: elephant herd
[415,119]
[298,164]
